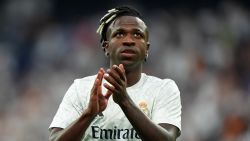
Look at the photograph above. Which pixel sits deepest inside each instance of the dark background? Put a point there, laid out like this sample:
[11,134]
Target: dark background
[203,45]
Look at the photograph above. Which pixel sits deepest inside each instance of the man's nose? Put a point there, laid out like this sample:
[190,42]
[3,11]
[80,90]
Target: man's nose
[128,41]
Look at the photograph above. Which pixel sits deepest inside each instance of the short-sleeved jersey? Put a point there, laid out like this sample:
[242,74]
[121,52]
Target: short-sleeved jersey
[159,99]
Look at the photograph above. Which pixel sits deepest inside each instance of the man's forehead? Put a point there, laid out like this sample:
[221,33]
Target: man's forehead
[128,20]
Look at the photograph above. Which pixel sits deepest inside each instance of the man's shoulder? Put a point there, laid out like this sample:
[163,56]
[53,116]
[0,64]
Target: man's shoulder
[158,80]
[85,80]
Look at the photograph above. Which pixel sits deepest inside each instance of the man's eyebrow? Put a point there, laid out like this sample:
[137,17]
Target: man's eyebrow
[119,29]
[138,30]
[134,29]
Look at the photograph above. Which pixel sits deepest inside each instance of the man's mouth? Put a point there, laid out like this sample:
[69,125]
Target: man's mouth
[128,51]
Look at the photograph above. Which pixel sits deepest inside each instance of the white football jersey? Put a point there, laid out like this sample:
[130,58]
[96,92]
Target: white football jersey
[159,99]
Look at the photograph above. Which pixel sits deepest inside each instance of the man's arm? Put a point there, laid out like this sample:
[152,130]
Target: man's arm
[146,129]
[98,103]
[74,132]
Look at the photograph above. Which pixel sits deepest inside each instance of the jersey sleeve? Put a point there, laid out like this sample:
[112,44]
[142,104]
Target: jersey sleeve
[167,107]
[69,110]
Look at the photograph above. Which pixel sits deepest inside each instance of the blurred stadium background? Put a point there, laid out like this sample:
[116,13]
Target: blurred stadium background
[203,45]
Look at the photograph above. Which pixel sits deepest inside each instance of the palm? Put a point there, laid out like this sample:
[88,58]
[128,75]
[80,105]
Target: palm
[102,103]
[98,101]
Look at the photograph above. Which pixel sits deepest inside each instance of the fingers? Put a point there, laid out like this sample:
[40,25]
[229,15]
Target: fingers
[100,75]
[108,94]
[114,85]
[94,88]
[100,78]
[120,70]
[118,73]
[116,77]
[99,90]
[98,82]
[110,87]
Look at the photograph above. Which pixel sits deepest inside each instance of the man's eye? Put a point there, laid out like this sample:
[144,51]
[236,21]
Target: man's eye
[119,34]
[138,35]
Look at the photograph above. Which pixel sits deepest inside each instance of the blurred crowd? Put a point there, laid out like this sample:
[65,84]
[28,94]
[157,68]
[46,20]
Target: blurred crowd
[207,53]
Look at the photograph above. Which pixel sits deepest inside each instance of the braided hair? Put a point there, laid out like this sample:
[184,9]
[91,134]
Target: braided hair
[113,14]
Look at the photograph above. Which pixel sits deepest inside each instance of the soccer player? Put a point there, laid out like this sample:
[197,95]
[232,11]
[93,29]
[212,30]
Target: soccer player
[120,103]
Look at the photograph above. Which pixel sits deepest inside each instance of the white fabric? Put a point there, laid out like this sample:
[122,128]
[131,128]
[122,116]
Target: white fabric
[163,105]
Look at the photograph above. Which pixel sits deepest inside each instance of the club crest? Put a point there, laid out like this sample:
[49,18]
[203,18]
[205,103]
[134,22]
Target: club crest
[144,107]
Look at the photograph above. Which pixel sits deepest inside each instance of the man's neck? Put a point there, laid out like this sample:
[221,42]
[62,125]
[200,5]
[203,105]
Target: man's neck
[133,76]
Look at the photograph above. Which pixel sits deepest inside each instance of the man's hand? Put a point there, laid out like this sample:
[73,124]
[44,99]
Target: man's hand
[98,101]
[117,78]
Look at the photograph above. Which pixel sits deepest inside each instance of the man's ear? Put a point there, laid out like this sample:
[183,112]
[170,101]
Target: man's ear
[147,50]
[148,45]
[105,45]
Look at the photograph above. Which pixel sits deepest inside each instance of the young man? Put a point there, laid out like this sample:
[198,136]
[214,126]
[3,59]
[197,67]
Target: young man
[121,103]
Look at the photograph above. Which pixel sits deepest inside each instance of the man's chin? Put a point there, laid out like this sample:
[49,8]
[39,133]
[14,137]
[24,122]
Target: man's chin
[129,64]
